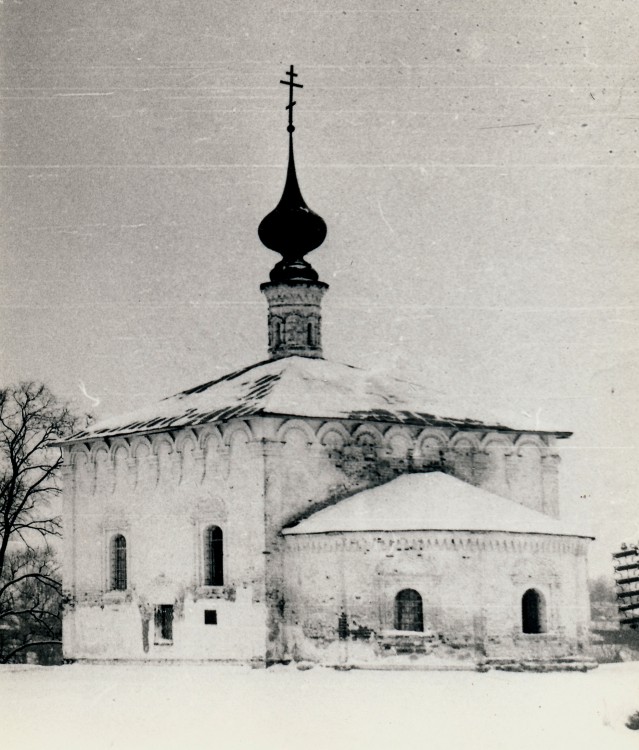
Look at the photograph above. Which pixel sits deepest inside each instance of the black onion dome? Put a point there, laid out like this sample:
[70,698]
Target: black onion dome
[292,229]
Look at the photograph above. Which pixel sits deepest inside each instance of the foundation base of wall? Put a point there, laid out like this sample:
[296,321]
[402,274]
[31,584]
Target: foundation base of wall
[538,665]
[254,663]
[505,665]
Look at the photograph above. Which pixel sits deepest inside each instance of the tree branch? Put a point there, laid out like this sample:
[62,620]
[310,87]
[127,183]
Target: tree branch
[4,658]
[45,579]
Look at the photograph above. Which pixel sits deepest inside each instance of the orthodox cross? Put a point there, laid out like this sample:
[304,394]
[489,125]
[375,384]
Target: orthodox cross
[291,83]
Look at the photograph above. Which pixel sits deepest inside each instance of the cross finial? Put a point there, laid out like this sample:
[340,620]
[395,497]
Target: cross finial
[291,228]
[291,83]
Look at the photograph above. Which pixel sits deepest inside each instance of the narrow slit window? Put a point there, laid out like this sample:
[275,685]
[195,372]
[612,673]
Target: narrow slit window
[213,556]
[118,563]
[279,333]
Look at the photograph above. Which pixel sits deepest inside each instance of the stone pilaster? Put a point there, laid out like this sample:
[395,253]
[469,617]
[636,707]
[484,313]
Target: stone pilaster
[550,484]
[512,473]
[480,467]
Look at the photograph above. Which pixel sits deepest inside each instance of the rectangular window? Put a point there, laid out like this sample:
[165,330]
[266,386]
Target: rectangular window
[164,623]
[210,617]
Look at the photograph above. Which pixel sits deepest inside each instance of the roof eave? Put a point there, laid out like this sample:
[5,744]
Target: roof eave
[434,422]
[291,532]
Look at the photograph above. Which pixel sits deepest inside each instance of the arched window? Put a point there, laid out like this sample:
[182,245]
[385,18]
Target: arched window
[408,611]
[118,563]
[278,334]
[533,612]
[213,557]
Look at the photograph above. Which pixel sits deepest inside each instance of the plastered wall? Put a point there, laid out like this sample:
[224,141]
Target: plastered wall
[251,478]
[161,493]
[471,587]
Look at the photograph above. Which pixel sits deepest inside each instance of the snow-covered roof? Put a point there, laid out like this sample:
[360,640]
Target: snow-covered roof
[307,387]
[432,501]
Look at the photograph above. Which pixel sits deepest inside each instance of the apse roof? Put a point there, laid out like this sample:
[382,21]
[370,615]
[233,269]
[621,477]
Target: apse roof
[308,387]
[431,501]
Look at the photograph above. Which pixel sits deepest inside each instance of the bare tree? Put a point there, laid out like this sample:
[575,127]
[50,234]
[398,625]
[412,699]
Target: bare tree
[30,605]
[31,419]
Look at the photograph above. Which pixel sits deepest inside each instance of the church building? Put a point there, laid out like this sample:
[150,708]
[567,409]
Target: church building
[305,510]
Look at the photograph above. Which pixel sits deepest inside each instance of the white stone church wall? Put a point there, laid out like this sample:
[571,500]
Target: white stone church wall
[250,478]
[471,587]
[310,463]
[161,492]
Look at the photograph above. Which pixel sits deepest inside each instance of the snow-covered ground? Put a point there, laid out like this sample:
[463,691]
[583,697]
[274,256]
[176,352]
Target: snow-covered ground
[201,706]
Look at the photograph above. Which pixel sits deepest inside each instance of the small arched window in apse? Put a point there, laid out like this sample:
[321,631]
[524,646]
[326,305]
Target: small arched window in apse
[408,611]
[533,612]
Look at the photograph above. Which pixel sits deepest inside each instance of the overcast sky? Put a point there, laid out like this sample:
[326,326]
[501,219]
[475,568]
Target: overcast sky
[476,163]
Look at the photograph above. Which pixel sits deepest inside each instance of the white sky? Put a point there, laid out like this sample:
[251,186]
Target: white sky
[476,163]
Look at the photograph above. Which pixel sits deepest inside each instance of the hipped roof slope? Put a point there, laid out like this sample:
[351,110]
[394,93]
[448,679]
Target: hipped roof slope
[306,387]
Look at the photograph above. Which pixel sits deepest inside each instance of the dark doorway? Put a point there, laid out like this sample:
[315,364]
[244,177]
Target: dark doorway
[164,623]
[408,611]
